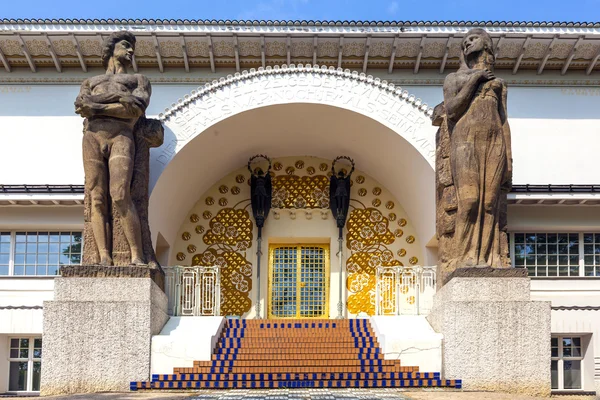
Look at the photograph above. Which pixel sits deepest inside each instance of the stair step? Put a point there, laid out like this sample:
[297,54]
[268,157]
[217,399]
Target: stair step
[291,376]
[297,356]
[292,369]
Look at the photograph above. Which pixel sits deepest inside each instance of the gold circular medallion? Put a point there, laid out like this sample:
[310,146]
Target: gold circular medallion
[199,229]
[180,256]
[413,260]
[389,205]
[194,218]
[360,179]
[299,164]
[207,215]
[186,236]
[402,222]
[310,170]
[235,190]
[209,201]
[398,232]
[240,178]
[392,217]
[376,191]
[376,202]
[290,170]
[401,253]
[323,167]
[410,239]
[277,166]
[191,249]
[222,201]
[223,189]
[362,192]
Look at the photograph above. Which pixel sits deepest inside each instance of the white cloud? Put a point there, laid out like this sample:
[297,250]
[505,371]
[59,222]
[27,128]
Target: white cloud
[393,8]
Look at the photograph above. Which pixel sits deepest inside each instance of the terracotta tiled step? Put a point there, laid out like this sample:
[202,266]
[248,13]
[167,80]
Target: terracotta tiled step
[351,349]
[292,369]
[295,384]
[312,376]
[293,363]
[294,356]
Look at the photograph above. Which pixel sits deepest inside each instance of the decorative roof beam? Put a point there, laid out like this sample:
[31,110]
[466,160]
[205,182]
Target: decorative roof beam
[393,55]
[53,53]
[592,64]
[521,54]
[161,68]
[263,55]
[340,51]
[236,52]
[367,47]
[315,48]
[571,56]
[186,61]
[446,52]
[13,202]
[499,46]
[418,62]
[211,53]
[289,50]
[78,202]
[79,54]
[4,61]
[547,55]
[26,53]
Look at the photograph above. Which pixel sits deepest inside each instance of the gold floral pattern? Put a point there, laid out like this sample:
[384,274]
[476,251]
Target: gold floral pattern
[230,226]
[292,191]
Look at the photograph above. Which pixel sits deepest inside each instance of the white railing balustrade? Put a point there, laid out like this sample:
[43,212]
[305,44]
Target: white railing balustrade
[193,290]
[405,290]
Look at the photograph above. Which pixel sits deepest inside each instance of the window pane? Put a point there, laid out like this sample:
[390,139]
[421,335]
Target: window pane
[554,369]
[17,378]
[24,343]
[14,353]
[572,374]
[3,269]
[37,343]
[24,353]
[37,353]
[37,372]
[14,343]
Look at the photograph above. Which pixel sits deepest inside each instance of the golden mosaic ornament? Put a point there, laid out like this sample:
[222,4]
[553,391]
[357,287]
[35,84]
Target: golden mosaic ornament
[292,191]
[376,202]
[299,164]
[230,226]
[180,256]
[389,205]
[207,215]
[199,229]
[186,236]
[323,167]
[194,218]
[376,191]
[310,170]
[362,192]
[290,170]
[235,190]
[191,249]
[402,222]
[368,227]
[223,189]
[277,166]
[392,217]
[360,179]
[401,253]
[398,233]
[222,201]
[209,201]
[413,260]
[240,178]
[410,239]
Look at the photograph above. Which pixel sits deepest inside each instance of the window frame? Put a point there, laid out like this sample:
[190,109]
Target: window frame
[560,359]
[13,251]
[30,361]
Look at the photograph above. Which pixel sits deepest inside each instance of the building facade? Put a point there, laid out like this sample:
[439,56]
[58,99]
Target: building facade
[302,93]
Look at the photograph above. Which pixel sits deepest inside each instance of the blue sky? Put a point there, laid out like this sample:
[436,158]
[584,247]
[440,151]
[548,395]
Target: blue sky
[400,10]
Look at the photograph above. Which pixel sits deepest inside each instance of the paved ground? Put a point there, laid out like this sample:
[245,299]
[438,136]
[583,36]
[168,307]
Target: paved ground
[309,394]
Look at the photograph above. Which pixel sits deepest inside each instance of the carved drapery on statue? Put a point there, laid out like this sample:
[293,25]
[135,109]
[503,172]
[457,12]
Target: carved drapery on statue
[473,162]
[116,142]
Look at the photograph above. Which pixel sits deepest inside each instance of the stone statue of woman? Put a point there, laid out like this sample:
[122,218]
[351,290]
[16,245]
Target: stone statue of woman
[479,154]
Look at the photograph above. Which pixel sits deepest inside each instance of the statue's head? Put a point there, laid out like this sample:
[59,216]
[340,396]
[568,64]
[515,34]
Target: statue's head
[259,171]
[119,45]
[475,43]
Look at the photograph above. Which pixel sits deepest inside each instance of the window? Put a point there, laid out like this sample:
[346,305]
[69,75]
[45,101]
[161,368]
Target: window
[38,253]
[25,364]
[566,362]
[547,254]
[591,254]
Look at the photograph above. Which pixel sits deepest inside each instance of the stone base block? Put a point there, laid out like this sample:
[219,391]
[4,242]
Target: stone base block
[495,337]
[97,333]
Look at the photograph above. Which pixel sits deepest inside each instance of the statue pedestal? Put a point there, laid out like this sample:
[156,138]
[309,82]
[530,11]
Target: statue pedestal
[98,331]
[495,337]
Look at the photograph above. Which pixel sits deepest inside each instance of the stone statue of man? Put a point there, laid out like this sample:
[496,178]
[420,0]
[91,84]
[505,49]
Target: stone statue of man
[474,160]
[112,105]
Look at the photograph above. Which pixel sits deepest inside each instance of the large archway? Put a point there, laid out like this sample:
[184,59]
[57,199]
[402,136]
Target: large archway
[294,111]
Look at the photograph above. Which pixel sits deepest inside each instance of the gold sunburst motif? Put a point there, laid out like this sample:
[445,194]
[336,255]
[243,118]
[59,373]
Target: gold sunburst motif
[376,191]
[413,260]
[209,201]
[199,229]
[323,167]
[310,170]
[277,166]
[191,249]
[398,233]
[376,202]
[299,164]
[401,252]
[240,178]
[410,239]
[402,222]
[389,205]
[186,236]
[235,190]
[180,256]
[222,201]
[223,189]
[207,215]
[362,192]
[194,218]
[392,217]
[360,179]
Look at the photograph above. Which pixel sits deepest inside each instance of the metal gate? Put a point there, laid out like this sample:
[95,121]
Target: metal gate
[193,290]
[405,290]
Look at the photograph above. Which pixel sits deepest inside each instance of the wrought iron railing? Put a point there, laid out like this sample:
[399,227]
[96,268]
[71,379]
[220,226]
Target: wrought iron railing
[405,290]
[193,290]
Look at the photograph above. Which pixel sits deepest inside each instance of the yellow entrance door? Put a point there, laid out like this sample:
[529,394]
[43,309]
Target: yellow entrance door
[299,281]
